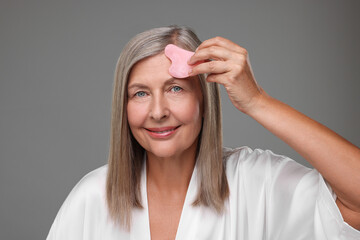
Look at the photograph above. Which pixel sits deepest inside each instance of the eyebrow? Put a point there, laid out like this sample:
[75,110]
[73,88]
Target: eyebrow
[140,85]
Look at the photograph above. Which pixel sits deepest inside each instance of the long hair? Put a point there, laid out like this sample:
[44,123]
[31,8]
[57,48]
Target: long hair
[126,156]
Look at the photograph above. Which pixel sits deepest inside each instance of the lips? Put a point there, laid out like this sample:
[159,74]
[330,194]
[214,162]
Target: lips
[162,132]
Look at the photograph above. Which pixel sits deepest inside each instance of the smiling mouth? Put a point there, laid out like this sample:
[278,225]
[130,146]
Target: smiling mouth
[162,130]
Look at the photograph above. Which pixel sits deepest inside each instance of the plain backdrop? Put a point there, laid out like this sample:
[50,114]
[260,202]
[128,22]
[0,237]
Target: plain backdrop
[57,60]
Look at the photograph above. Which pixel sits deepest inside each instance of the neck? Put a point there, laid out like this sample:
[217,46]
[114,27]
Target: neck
[171,175]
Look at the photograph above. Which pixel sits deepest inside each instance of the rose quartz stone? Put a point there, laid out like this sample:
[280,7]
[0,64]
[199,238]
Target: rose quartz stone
[179,57]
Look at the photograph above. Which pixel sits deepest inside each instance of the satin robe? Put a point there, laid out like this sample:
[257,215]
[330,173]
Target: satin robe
[271,197]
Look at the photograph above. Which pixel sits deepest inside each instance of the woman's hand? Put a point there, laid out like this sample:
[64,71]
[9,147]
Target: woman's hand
[333,156]
[229,65]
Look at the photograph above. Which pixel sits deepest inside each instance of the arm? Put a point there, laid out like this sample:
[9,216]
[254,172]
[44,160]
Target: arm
[335,158]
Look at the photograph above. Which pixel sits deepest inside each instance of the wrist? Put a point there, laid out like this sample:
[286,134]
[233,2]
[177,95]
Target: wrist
[259,104]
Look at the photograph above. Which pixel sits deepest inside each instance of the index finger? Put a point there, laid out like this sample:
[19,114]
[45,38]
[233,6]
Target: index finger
[222,42]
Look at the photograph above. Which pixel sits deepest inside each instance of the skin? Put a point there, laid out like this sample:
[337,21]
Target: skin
[333,156]
[156,100]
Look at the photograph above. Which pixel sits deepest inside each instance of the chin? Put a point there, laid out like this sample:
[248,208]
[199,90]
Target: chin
[164,152]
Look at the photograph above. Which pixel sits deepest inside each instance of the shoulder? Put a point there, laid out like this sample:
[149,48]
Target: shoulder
[246,153]
[258,164]
[91,184]
[84,204]
[246,157]
[89,190]
[254,158]
[94,177]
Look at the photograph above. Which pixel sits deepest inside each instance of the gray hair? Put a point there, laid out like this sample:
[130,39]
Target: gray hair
[125,153]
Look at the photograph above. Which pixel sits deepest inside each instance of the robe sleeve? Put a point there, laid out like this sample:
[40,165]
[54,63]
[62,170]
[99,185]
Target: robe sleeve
[284,199]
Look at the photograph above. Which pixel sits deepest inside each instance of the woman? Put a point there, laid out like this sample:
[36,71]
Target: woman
[169,178]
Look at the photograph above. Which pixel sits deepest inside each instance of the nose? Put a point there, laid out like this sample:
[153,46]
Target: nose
[159,107]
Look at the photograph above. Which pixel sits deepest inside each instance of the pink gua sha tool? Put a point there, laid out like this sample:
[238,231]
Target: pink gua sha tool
[179,57]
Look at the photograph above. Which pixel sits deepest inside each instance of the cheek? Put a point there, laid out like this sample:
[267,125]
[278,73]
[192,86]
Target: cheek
[187,110]
[136,114]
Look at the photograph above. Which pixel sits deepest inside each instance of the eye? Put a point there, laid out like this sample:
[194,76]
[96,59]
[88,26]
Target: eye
[176,89]
[140,94]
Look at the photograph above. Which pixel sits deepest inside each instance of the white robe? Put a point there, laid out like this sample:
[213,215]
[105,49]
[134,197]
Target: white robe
[271,197]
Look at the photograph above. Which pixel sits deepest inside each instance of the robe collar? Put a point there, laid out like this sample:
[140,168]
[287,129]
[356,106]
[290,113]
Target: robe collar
[141,225]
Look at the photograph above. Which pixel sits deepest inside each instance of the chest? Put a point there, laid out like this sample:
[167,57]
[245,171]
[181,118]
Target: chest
[164,217]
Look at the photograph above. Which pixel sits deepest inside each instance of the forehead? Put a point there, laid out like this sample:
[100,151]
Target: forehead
[153,72]
[150,69]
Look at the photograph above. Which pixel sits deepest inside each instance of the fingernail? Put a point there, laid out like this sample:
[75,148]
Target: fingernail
[190,71]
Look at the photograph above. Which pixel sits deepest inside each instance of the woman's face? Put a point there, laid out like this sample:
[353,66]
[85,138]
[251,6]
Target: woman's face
[164,113]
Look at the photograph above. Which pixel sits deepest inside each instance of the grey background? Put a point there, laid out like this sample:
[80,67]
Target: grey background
[57,60]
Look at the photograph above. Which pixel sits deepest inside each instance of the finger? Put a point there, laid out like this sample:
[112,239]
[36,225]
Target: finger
[222,42]
[210,67]
[213,52]
[218,78]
